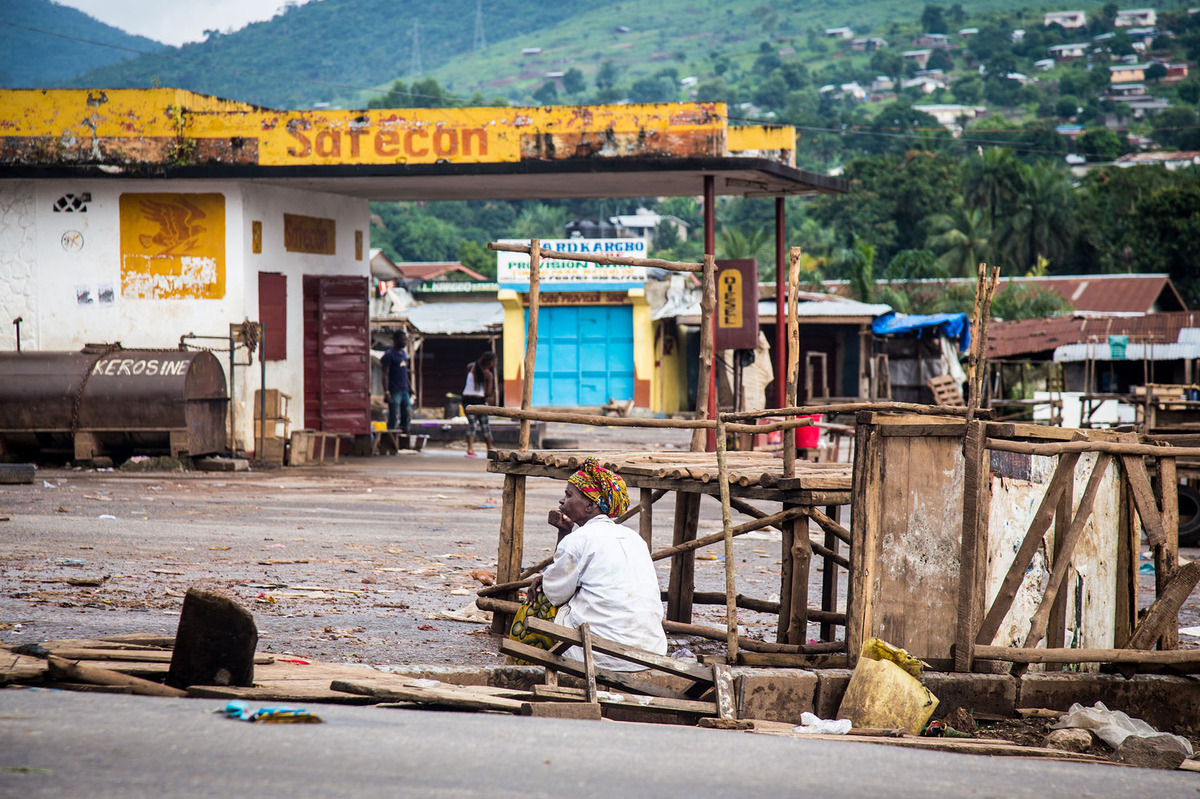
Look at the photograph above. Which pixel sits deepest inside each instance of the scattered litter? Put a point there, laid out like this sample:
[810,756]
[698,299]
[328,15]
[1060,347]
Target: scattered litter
[1113,726]
[483,576]
[456,591]
[68,562]
[300,661]
[219,549]
[1192,631]
[108,516]
[1146,568]
[427,628]
[266,599]
[46,484]
[166,571]
[88,582]
[281,562]
[269,715]
[812,725]
[686,655]
[884,690]
[470,613]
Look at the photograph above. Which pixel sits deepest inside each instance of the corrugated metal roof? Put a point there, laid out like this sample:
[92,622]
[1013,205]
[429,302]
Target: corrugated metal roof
[1133,352]
[810,305]
[1142,293]
[1034,336]
[456,317]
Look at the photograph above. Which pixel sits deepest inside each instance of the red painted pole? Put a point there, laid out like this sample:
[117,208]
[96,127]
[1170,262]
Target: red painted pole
[780,305]
[710,248]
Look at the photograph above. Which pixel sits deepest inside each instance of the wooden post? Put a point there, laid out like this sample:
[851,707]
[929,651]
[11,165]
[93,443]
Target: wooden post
[512,542]
[780,305]
[789,437]
[785,580]
[797,632]
[708,307]
[646,516]
[973,555]
[829,578]
[683,565]
[1166,557]
[1056,633]
[731,616]
[535,262]
[589,662]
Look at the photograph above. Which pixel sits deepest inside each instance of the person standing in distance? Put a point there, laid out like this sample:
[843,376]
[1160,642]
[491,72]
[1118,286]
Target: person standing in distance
[397,392]
[480,390]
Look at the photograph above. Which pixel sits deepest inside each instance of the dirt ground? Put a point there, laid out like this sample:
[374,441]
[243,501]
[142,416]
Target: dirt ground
[348,562]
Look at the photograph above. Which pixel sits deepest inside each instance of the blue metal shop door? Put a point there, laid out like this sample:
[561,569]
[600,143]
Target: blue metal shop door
[584,355]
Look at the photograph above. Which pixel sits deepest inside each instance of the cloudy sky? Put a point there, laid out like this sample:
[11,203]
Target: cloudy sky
[177,21]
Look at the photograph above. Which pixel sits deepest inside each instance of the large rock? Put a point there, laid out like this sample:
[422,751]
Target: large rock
[214,644]
[1161,751]
[1069,740]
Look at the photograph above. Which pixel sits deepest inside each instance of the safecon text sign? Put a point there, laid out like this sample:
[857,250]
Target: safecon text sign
[512,268]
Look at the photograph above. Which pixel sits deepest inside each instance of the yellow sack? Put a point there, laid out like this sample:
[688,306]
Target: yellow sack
[884,690]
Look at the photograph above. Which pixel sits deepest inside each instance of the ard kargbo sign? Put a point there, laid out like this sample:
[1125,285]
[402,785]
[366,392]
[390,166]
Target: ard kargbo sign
[512,268]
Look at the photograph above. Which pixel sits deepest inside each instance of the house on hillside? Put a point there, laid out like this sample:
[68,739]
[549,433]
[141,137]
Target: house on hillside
[951,116]
[1127,73]
[643,223]
[1068,52]
[866,43]
[1170,160]
[1066,19]
[920,57]
[1136,17]
[934,41]
[839,33]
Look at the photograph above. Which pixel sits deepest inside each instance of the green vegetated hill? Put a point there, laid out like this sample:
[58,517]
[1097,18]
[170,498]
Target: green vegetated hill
[343,51]
[30,59]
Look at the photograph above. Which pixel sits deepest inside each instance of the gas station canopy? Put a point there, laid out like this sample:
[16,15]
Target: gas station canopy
[402,154]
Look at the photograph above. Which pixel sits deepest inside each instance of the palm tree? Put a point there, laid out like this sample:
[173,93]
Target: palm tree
[857,263]
[1042,218]
[961,239]
[992,181]
[733,243]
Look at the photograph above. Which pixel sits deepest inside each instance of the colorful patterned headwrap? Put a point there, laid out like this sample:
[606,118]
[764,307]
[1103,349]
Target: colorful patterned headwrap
[604,487]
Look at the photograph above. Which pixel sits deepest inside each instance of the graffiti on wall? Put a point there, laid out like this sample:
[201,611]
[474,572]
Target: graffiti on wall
[173,246]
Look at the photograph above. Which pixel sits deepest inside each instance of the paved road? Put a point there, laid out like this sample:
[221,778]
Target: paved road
[62,744]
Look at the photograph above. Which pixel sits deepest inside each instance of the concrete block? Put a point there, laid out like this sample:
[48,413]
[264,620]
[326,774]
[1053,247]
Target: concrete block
[1169,704]
[831,687]
[986,693]
[774,694]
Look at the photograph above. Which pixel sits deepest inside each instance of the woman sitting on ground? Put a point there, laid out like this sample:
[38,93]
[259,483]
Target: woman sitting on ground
[601,574]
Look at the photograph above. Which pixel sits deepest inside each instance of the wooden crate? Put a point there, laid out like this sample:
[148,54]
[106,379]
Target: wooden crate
[277,404]
[314,446]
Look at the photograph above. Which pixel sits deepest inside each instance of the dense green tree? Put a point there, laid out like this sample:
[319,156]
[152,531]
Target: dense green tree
[547,93]
[1100,144]
[1025,301]
[573,82]
[1189,92]
[1155,72]
[654,90]
[961,240]
[933,20]
[1178,128]
[608,75]
[542,221]
[991,181]
[474,255]
[1166,232]
[1041,220]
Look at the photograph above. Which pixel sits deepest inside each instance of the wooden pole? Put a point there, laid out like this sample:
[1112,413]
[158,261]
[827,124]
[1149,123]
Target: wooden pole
[731,616]
[829,578]
[704,381]
[793,367]
[683,568]
[1166,556]
[973,552]
[535,261]
[854,407]
[512,540]
[780,305]
[1109,447]
[801,555]
[606,260]
[646,516]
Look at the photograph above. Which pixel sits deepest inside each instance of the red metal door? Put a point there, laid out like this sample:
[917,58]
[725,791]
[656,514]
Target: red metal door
[272,313]
[337,375]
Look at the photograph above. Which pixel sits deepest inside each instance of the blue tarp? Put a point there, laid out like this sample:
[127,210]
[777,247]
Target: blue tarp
[951,325]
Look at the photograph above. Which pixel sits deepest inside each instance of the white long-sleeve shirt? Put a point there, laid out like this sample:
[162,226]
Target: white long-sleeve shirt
[602,574]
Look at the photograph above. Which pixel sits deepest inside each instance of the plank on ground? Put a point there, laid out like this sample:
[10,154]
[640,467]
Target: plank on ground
[629,700]
[442,695]
[576,668]
[632,654]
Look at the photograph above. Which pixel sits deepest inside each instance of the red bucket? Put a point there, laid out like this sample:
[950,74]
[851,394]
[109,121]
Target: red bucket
[809,437]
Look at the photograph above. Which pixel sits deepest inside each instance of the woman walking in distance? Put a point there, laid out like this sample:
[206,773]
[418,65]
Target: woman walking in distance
[480,390]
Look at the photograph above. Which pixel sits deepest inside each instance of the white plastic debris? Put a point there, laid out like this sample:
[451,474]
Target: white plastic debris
[1113,726]
[810,724]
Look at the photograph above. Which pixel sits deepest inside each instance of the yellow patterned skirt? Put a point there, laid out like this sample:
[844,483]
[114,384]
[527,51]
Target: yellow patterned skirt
[540,609]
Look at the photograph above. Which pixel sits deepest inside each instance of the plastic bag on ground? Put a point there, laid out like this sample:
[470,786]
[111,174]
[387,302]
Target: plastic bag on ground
[812,725]
[1113,726]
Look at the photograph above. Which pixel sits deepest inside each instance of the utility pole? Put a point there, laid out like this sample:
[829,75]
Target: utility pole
[414,69]
[480,34]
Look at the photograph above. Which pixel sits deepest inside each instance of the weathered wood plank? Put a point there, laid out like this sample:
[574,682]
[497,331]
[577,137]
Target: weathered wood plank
[574,667]
[641,657]
[1164,612]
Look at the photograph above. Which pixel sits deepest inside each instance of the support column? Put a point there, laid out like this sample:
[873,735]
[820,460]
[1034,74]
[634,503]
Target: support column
[683,566]
[829,577]
[710,248]
[797,632]
[780,305]
[512,543]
